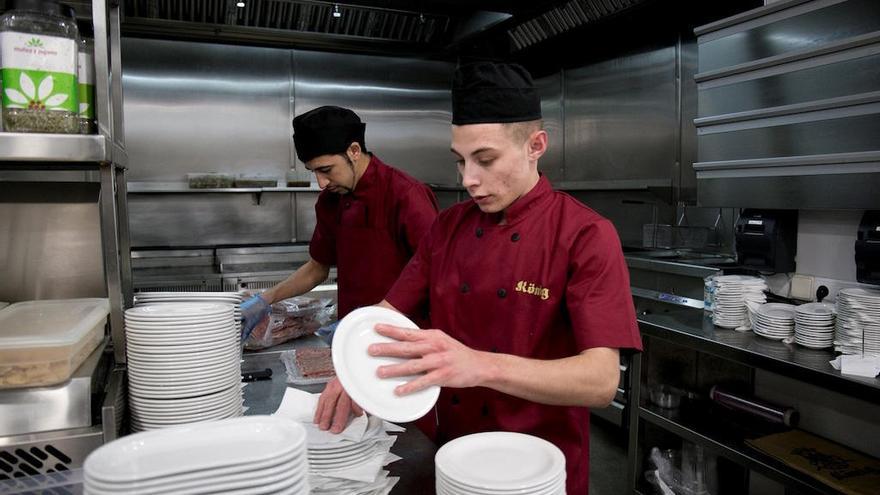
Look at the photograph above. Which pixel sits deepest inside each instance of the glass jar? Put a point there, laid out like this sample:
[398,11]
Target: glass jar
[38,59]
[86,86]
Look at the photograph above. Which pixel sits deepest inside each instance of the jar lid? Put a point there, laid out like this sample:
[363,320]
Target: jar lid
[50,7]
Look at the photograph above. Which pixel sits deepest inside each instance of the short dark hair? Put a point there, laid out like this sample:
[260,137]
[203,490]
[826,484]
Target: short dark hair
[520,131]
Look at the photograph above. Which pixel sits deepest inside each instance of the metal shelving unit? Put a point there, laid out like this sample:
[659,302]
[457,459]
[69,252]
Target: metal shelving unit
[693,331]
[43,155]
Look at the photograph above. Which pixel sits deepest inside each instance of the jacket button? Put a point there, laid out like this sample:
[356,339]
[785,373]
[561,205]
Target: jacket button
[502,293]
[485,410]
[465,288]
[455,400]
[348,204]
[514,237]
[479,232]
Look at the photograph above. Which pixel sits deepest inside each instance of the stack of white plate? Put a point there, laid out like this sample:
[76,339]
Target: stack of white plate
[814,325]
[233,298]
[500,463]
[774,320]
[253,455]
[731,294]
[858,321]
[184,364]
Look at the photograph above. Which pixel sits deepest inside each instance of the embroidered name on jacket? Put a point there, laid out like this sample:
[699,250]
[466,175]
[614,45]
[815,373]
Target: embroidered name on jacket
[531,288]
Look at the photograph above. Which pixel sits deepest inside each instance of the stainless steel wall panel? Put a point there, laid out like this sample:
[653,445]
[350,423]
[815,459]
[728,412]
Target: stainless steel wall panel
[862,75]
[550,89]
[688,111]
[304,215]
[194,107]
[209,219]
[810,29]
[843,135]
[621,118]
[405,103]
[51,249]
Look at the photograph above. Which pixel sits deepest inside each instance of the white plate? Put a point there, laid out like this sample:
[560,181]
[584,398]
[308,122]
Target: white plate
[182,348]
[191,448]
[180,310]
[447,486]
[356,369]
[159,415]
[500,460]
[234,390]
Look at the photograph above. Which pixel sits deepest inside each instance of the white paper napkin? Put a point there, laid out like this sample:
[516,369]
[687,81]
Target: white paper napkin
[856,365]
[300,406]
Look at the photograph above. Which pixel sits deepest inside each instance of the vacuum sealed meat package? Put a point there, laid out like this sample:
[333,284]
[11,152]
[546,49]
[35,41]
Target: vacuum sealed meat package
[290,319]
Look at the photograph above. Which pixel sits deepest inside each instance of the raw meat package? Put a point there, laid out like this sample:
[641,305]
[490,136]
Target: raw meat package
[290,319]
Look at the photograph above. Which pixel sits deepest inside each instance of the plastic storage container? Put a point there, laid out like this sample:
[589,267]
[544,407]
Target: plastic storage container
[210,180]
[44,342]
[255,180]
[38,60]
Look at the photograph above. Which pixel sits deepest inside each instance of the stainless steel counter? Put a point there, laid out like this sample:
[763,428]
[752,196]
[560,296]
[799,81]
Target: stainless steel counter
[416,469]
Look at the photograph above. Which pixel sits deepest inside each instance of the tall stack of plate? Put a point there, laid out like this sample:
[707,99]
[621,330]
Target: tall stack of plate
[858,321]
[233,298]
[774,320]
[814,325]
[184,364]
[500,463]
[253,455]
[731,294]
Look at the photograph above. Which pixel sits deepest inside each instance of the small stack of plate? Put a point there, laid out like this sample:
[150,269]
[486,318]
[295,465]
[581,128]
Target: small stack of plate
[774,320]
[500,463]
[253,455]
[814,325]
[184,364]
[858,322]
[233,298]
[731,294]
[347,454]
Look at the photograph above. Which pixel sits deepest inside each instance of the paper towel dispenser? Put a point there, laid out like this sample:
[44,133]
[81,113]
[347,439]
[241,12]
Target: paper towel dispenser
[766,240]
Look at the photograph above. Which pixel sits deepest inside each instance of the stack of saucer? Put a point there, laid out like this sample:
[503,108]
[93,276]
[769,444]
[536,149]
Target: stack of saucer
[814,325]
[184,364]
[774,320]
[858,322]
[500,463]
[731,294]
[253,455]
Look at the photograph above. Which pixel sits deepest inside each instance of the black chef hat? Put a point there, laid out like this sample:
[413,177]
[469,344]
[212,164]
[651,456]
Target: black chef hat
[326,131]
[488,92]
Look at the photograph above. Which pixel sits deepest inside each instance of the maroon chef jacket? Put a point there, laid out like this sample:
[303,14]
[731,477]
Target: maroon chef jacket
[548,284]
[371,233]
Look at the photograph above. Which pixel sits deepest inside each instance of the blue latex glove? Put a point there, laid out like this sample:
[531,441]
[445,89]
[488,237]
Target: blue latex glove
[252,312]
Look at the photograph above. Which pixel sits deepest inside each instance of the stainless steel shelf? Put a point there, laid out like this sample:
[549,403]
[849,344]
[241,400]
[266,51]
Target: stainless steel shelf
[183,187]
[736,451]
[59,148]
[691,329]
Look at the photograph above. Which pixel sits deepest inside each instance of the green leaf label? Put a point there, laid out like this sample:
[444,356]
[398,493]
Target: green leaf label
[39,90]
[87,101]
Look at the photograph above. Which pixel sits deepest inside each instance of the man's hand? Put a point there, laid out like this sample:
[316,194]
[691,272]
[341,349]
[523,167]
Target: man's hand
[335,407]
[444,361]
[252,312]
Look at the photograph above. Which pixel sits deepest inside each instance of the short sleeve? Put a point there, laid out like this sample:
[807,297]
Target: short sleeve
[598,293]
[417,210]
[322,247]
[409,294]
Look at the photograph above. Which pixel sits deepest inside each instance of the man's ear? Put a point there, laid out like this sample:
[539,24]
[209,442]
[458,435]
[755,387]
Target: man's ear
[537,144]
[354,151]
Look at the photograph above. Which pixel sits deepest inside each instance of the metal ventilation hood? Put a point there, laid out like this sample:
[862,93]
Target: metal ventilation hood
[414,26]
[565,17]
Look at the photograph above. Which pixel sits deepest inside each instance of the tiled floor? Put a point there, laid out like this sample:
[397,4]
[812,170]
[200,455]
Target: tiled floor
[607,458]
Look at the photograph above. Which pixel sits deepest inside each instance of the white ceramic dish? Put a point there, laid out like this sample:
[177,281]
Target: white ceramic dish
[192,448]
[356,369]
[500,460]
